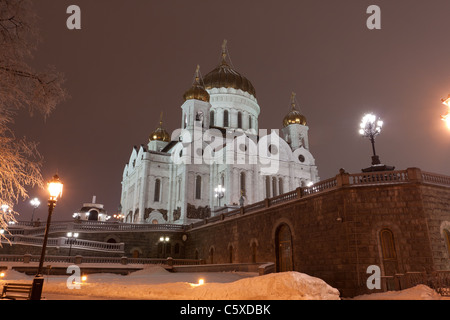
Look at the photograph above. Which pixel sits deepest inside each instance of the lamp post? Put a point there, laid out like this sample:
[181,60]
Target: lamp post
[370,127]
[55,191]
[72,238]
[35,203]
[164,241]
[219,192]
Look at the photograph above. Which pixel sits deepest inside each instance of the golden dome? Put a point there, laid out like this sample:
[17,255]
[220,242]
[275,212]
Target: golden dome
[224,76]
[294,116]
[197,91]
[160,134]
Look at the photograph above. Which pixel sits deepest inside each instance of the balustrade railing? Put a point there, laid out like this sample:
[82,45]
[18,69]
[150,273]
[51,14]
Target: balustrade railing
[342,179]
[27,258]
[65,243]
[378,177]
[436,178]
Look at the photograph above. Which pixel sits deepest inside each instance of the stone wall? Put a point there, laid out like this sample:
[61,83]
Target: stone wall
[335,233]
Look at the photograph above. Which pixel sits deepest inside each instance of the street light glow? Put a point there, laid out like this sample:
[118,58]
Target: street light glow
[370,126]
[55,188]
[446,117]
[35,202]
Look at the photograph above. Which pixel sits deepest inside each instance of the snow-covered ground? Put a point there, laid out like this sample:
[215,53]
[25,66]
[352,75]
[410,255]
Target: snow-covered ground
[155,283]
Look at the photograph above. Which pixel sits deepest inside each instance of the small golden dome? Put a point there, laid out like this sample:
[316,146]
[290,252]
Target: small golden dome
[160,134]
[224,76]
[197,91]
[294,116]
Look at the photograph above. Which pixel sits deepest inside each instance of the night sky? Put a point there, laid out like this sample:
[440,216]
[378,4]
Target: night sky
[133,59]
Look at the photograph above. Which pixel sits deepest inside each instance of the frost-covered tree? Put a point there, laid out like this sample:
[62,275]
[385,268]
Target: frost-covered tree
[21,88]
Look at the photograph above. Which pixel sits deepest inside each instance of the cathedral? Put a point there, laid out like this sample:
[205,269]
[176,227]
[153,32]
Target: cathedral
[219,158]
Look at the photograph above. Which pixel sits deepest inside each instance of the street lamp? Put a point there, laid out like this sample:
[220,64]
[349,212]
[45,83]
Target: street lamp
[55,188]
[370,127]
[446,116]
[219,192]
[72,238]
[5,208]
[35,203]
[164,241]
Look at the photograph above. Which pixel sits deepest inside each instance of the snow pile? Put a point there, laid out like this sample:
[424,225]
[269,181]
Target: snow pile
[275,286]
[419,292]
[158,284]
[283,286]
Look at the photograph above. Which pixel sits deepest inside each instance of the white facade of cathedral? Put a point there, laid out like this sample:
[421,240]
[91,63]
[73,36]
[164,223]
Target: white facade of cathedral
[173,179]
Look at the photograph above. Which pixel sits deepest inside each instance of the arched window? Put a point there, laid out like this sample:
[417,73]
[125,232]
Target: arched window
[93,215]
[211,255]
[283,247]
[242,182]
[198,187]
[387,244]
[274,186]
[239,120]
[157,194]
[225,118]
[249,122]
[254,252]
[389,255]
[447,237]
[230,254]
[211,118]
[267,187]
[280,186]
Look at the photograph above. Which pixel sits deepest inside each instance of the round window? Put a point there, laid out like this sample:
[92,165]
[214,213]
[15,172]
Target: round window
[273,149]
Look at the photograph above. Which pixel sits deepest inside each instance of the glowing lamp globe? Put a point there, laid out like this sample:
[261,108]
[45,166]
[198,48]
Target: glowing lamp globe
[55,188]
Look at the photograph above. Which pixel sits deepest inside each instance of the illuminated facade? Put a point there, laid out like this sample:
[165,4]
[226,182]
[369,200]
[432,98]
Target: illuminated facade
[172,179]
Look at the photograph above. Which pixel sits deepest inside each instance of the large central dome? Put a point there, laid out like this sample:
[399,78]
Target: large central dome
[224,76]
